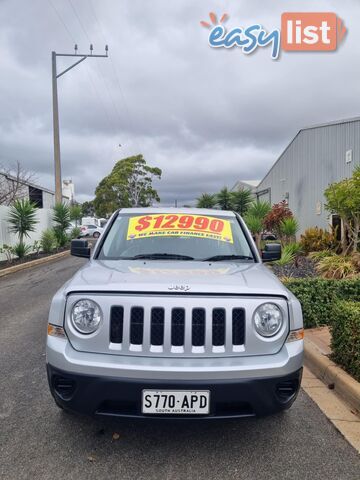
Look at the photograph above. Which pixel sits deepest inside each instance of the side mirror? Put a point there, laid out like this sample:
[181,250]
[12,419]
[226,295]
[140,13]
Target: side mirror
[271,253]
[80,248]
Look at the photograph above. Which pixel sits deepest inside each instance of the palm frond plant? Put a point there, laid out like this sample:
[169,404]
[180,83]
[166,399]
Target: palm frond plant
[254,219]
[224,199]
[260,209]
[61,218]
[289,228]
[290,254]
[22,220]
[206,200]
[287,256]
[241,200]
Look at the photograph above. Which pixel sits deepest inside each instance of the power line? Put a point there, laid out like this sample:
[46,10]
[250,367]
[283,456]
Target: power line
[115,72]
[62,21]
[79,20]
[88,71]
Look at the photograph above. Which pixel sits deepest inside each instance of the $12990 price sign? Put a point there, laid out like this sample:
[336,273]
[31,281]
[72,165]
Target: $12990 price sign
[180,225]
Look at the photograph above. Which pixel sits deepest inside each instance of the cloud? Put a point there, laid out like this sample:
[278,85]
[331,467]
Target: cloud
[206,117]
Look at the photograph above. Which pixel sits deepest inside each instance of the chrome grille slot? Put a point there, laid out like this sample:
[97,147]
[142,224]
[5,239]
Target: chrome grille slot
[218,327]
[198,327]
[177,327]
[238,326]
[117,324]
[157,326]
[136,325]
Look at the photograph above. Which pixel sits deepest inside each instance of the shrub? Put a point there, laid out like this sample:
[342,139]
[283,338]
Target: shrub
[337,267]
[355,260]
[48,240]
[318,296]
[345,332]
[36,247]
[21,250]
[289,228]
[61,237]
[321,254]
[316,239]
[8,251]
[347,289]
[278,213]
[75,232]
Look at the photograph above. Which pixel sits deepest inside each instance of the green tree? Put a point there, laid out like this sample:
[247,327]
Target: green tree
[76,213]
[224,199]
[88,209]
[206,200]
[61,218]
[241,200]
[343,199]
[128,185]
[22,219]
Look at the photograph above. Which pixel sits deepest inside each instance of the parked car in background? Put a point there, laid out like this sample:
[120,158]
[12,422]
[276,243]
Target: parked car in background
[90,231]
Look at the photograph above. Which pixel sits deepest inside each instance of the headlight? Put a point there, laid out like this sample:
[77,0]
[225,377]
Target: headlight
[86,316]
[268,319]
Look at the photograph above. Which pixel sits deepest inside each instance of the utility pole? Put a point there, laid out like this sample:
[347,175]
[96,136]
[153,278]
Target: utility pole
[55,76]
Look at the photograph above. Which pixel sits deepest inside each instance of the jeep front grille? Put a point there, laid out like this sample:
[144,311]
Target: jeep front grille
[198,326]
[175,325]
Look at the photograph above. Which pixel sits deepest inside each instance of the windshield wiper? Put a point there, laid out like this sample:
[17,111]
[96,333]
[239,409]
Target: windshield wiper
[218,258]
[159,256]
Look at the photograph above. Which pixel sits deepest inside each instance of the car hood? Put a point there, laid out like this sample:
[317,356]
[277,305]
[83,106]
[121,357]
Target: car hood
[176,277]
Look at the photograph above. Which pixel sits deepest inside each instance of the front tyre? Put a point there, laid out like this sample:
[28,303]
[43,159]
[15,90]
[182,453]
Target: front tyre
[96,235]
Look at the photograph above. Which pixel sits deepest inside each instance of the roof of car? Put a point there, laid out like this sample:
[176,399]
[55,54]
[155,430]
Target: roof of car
[184,210]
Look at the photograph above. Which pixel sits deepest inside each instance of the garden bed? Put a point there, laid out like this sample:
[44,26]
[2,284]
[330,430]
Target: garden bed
[33,256]
[303,267]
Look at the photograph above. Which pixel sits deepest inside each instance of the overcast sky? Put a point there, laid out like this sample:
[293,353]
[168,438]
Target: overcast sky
[206,117]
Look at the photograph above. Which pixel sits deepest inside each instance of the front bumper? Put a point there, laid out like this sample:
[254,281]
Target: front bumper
[112,385]
[122,397]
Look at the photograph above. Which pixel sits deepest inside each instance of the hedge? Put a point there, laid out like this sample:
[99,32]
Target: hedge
[345,332]
[318,297]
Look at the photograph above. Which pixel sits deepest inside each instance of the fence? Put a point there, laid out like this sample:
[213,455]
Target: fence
[43,216]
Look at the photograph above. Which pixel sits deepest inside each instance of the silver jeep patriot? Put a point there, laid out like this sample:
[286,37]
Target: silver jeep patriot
[176,316]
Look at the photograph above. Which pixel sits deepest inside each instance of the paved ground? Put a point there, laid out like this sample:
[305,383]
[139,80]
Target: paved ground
[37,441]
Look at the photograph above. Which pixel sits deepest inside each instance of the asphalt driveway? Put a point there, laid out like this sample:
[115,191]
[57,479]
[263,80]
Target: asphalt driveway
[38,441]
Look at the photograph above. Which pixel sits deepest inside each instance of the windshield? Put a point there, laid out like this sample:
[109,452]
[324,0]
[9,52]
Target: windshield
[180,236]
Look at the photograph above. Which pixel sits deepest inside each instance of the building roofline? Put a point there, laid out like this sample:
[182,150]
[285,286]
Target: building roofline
[29,184]
[311,127]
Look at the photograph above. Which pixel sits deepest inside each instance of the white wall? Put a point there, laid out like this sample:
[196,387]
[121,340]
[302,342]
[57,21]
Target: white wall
[43,216]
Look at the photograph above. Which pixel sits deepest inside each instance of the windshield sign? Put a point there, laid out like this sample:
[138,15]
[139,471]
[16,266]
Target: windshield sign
[180,225]
[177,236]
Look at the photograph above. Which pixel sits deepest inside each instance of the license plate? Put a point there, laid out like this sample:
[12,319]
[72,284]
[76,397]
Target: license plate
[176,402]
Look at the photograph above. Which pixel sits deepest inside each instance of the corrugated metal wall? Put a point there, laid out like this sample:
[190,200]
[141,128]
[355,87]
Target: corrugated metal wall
[314,159]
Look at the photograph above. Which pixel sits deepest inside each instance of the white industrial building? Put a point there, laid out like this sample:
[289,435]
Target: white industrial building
[317,156]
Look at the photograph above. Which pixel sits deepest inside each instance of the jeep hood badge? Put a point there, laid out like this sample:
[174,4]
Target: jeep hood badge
[181,288]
